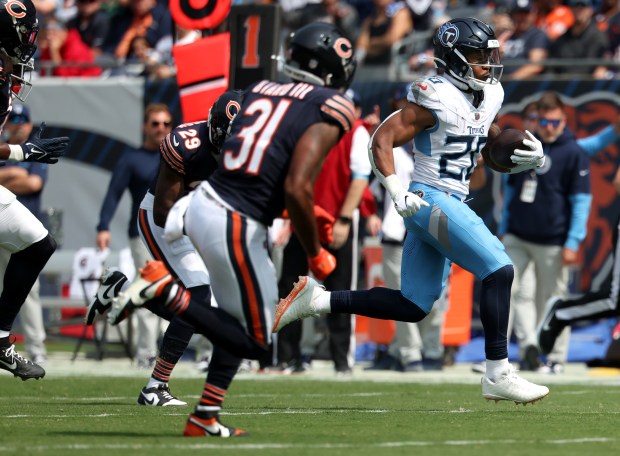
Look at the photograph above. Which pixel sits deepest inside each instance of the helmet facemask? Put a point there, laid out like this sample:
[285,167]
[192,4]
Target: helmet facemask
[461,45]
[27,38]
[20,79]
[19,45]
[489,58]
[292,70]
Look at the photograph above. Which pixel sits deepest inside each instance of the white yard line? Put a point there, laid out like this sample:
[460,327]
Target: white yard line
[276,446]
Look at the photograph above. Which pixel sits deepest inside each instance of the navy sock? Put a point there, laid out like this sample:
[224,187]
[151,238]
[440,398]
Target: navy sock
[379,302]
[494,311]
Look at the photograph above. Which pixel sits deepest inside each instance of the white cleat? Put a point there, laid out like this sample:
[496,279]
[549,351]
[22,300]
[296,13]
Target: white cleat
[300,303]
[511,387]
[121,308]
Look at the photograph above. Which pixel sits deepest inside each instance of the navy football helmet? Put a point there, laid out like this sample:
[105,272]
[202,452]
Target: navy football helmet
[318,53]
[18,33]
[221,115]
[461,44]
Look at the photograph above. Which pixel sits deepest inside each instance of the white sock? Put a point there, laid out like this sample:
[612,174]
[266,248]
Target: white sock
[496,368]
[154,383]
[322,303]
[4,334]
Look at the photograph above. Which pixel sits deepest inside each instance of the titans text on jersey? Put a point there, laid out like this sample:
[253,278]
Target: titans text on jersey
[445,155]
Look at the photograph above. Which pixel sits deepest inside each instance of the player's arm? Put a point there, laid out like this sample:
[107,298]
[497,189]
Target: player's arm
[36,149]
[306,163]
[170,187]
[494,131]
[478,178]
[398,129]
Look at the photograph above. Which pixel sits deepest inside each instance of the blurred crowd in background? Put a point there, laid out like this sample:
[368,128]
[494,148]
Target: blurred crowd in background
[100,38]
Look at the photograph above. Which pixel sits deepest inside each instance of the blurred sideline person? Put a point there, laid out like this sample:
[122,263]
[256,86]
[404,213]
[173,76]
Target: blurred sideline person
[544,220]
[277,144]
[26,180]
[134,171]
[189,154]
[450,117]
[23,238]
[592,145]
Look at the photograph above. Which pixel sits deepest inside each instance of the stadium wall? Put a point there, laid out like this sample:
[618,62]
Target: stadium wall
[102,116]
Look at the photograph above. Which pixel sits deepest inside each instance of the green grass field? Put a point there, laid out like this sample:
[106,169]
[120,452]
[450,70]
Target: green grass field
[301,416]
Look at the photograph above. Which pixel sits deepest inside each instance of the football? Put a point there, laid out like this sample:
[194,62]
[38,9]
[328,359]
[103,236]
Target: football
[503,147]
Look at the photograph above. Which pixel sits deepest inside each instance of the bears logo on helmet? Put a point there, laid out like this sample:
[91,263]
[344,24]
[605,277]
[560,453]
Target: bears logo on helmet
[18,33]
[221,115]
[318,53]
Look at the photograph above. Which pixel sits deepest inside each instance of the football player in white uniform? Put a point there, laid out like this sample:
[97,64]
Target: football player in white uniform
[449,119]
[23,239]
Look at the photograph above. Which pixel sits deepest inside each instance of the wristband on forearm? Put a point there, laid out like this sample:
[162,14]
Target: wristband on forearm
[393,185]
[344,219]
[17,153]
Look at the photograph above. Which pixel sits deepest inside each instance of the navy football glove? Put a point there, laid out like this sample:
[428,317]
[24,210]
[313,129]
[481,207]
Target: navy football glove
[42,150]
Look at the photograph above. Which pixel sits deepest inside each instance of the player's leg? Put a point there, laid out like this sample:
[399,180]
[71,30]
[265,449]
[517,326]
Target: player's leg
[457,232]
[184,263]
[173,345]
[242,297]
[30,246]
[422,267]
[205,421]
[234,249]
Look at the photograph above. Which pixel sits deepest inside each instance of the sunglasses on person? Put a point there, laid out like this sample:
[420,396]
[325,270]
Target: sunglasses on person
[18,119]
[553,122]
[157,123]
[85,2]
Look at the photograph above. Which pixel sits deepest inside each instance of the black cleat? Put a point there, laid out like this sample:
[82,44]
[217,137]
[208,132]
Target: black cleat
[112,281]
[19,366]
[550,327]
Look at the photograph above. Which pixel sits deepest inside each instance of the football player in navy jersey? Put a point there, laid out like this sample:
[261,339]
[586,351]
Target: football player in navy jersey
[189,154]
[23,238]
[448,119]
[269,163]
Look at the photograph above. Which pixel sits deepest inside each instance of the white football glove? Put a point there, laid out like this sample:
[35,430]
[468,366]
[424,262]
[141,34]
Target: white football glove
[407,203]
[532,157]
